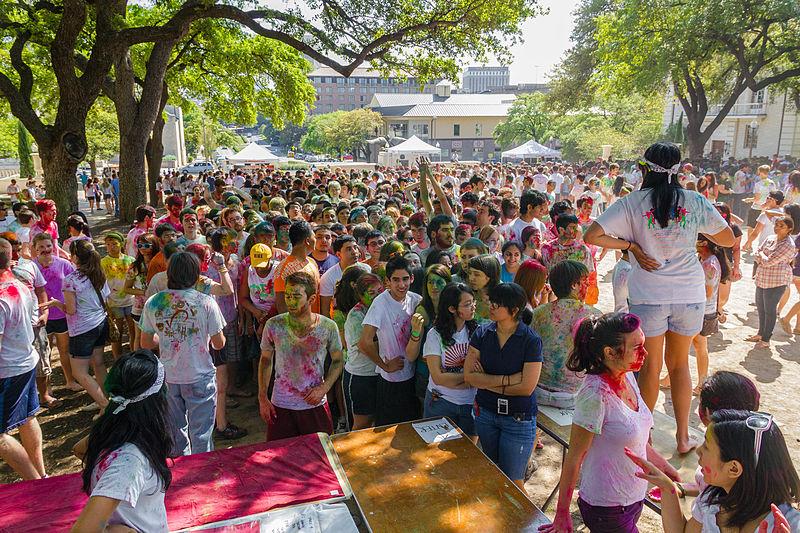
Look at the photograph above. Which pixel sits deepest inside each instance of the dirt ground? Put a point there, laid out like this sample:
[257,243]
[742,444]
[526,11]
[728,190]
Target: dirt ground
[775,371]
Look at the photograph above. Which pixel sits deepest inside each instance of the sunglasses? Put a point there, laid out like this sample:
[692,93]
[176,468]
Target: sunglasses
[145,245]
[759,423]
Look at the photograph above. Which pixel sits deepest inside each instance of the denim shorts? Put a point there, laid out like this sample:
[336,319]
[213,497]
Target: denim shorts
[657,319]
[506,440]
[120,312]
[81,346]
[19,400]
[460,414]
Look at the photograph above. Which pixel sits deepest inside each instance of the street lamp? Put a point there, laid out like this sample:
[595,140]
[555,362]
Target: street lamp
[440,150]
[753,136]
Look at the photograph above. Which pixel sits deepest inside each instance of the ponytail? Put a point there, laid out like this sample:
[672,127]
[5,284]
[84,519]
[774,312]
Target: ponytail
[661,178]
[88,262]
[594,334]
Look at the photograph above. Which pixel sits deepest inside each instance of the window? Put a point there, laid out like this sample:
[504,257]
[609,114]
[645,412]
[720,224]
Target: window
[478,129]
[342,90]
[750,136]
[456,130]
[758,97]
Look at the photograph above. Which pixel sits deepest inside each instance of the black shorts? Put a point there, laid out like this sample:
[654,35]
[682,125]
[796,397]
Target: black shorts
[56,325]
[19,400]
[396,402]
[81,346]
[360,393]
[710,324]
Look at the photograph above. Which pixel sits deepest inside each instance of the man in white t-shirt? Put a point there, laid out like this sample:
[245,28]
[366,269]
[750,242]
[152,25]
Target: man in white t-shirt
[540,180]
[532,207]
[389,318]
[18,359]
[182,322]
[347,250]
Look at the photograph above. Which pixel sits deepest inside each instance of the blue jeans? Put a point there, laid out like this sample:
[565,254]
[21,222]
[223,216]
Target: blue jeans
[460,414]
[506,440]
[191,409]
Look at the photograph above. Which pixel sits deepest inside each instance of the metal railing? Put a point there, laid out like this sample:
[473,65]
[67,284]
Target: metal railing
[741,110]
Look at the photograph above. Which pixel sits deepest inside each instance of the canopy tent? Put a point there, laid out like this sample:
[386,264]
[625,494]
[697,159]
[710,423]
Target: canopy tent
[530,149]
[414,145]
[253,153]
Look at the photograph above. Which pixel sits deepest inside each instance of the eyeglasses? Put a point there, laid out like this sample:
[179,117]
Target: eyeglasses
[144,245]
[759,423]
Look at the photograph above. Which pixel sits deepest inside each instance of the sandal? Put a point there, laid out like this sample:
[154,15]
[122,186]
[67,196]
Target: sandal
[762,345]
[753,338]
[52,404]
[231,432]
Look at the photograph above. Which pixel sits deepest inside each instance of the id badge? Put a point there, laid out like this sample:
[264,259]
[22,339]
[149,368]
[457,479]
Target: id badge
[502,406]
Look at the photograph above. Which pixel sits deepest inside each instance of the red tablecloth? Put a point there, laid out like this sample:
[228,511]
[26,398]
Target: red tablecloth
[206,487]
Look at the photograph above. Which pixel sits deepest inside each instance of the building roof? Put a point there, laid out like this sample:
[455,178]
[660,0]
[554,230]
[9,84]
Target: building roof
[400,99]
[445,109]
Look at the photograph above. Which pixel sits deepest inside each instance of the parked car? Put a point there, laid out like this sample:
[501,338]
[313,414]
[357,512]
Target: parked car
[347,157]
[198,167]
[312,159]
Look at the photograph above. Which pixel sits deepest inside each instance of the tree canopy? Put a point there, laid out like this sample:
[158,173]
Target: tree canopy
[528,118]
[340,132]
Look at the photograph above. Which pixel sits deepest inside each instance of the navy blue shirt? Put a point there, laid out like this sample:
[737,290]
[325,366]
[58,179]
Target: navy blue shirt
[524,346]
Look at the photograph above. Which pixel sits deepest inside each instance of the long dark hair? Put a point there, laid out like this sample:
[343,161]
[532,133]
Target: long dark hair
[88,262]
[489,265]
[345,294]
[139,265]
[594,334]
[773,480]
[143,423]
[665,191]
[427,302]
[718,252]
[445,323]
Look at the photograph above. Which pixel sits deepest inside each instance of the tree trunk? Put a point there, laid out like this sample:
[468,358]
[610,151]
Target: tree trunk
[132,180]
[60,179]
[154,151]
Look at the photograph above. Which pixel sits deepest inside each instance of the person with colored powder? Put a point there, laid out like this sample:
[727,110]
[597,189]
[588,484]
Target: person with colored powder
[296,343]
[120,304]
[303,240]
[143,224]
[610,416]
[182,322]
[555,323]
[18,374]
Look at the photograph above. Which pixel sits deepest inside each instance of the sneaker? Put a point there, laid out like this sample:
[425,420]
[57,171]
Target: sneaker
[532,467]
[231,432]
[341,426]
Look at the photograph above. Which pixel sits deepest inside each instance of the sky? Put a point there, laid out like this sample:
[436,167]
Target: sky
[546,38]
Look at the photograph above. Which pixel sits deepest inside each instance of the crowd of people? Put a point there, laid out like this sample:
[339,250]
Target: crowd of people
[350,299]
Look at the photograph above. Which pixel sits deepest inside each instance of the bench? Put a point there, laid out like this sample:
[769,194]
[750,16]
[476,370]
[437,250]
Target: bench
[557,424]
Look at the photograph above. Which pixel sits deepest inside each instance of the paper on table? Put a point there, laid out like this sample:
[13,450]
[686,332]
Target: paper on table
[434,431]
[562,417]
[303,519]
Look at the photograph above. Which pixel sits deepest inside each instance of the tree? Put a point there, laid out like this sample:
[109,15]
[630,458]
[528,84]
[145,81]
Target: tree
[340,131]
[79,42]
[528,118]
[102,133]
[26,170]
[709,52]
[200,130]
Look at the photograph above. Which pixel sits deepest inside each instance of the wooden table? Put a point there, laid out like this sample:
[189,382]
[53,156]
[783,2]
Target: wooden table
[403,484]
[663,441]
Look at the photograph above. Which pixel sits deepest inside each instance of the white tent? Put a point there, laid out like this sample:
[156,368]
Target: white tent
[412,146]
[530,149]
[253,153]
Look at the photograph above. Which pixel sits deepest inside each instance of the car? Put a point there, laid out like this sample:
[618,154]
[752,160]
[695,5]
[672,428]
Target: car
[300,156]
[197,167]
[312,159]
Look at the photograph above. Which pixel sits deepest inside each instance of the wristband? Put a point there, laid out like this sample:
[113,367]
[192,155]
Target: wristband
[629,246]
[415,335]
[681,490]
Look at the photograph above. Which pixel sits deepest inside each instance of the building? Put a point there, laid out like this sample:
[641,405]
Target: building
[481,79]
[462,125]
[760,124]
[173,136]
[339,93]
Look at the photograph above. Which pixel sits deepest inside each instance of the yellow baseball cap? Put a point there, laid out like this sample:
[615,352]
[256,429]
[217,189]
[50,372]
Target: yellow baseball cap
[260,254]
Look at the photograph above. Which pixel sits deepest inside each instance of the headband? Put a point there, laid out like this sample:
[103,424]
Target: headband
[674,169]
[154,388]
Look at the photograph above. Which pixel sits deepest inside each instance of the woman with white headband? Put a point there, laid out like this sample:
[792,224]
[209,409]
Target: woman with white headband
[658,225]
[125,469]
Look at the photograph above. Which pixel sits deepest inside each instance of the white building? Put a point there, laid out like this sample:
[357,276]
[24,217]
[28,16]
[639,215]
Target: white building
[173,136]
[480,79]
[760,124]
